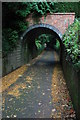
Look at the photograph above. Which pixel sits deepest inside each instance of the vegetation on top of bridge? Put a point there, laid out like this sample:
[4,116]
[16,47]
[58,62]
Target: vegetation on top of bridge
[71,40]
[14,15]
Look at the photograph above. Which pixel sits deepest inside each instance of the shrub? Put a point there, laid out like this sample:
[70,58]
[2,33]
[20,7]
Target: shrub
[57,45]
[10,39]
[72,43]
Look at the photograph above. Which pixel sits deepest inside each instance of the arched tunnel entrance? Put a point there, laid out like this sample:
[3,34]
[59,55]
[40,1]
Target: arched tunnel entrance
[33,32]
[40,29]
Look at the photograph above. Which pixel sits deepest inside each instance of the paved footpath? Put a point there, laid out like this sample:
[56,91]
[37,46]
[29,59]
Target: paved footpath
[37,90]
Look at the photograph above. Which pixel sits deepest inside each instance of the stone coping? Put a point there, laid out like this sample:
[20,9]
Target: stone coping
[62,14]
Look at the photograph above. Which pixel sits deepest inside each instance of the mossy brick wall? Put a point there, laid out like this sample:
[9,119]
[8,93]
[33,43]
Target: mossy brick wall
[72,77]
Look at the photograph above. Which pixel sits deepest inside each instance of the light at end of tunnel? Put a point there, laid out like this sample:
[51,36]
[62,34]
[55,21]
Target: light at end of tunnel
[21,38]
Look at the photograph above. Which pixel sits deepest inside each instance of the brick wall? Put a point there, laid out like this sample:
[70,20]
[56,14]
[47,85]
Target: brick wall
[58,20]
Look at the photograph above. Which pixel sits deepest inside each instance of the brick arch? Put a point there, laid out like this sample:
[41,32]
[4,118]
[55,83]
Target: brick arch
[38,29]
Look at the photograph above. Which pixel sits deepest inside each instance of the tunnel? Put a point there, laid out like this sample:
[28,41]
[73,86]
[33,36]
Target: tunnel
[35,31]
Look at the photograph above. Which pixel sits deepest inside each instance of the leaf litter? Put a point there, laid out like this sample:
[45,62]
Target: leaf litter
[63,107]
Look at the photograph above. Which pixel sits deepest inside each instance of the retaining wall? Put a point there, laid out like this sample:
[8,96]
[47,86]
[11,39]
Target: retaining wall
[18,57]
[72,77]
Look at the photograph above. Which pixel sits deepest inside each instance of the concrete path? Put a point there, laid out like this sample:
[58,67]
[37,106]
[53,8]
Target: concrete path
[37,90]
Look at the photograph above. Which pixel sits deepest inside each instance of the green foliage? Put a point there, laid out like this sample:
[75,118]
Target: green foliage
[38,44]
[72,43]
[21,26]
[13,25]
[57,46]
[45,38]
[42,40]
[67,7]
[10,39]
[12,16]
